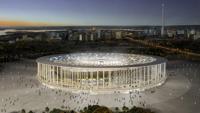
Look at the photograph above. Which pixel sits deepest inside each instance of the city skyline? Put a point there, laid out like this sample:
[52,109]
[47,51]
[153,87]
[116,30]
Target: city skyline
[97,12]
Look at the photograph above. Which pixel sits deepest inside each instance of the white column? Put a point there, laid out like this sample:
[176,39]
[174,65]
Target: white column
[87,77]
[131,77]
[91,79]
[156,73]
[72,78]
[65,75]
[97,79]
[125,74]
[53,74]
[143,81]
[48,69]
[67,78]
[144,74]
[75,78]
[84,77]
[38,69]
[54,78]
[147,75]
[121,72]
[46,66]
[153,74]
[61,75]
[57,74]
[109,77]
[140,76]
[164,70]
[45,70]
[45,77]
[42,69]
[78,79]
[136,76]
[103,78]
[49,73]
[50,77]
[118,74]
[44,74]
[160,72]
[119,80]
[127,83]
[81,79]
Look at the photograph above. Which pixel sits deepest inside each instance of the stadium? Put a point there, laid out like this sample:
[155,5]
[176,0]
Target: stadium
[101,71]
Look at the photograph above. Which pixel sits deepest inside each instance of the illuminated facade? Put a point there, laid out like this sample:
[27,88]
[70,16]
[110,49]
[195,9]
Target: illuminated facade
[102,71]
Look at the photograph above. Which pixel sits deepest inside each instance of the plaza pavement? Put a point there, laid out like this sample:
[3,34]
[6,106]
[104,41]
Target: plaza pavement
[19,89]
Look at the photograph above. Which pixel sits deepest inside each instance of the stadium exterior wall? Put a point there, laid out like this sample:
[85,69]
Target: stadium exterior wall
[136,77]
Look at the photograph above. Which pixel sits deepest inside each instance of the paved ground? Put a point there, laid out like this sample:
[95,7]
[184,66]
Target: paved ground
[20,89]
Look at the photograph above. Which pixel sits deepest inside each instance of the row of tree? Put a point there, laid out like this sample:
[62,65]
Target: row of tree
[97,109]
[32,49]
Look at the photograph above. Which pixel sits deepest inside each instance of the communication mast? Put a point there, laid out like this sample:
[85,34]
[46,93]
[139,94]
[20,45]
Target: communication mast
[163,19]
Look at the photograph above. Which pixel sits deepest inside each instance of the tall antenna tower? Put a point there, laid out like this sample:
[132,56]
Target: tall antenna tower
[163,19]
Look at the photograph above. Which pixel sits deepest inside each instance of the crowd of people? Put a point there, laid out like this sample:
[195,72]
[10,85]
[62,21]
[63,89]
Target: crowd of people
[19,88]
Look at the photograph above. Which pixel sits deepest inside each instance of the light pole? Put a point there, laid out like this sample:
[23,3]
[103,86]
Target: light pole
[163,19]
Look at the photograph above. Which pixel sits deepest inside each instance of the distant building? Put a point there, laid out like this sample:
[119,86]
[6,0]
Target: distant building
[171,33]
[180,32]
[107,34]
[197,35]
[80,37]
[26,38]
[99,34]
[118,35]
[92,37]
[192,32]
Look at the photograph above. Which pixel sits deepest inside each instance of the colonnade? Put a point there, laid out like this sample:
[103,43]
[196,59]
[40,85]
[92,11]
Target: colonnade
[142,77]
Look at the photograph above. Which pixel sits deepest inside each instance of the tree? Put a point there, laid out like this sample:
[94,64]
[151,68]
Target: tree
[81,111]
[47,109]
[102,109]
[85,109]
[23,111]
[125,109]
[72,111]
[117,109]
[30,112]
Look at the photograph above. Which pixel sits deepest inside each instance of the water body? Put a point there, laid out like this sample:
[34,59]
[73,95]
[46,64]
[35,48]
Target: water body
[4,32]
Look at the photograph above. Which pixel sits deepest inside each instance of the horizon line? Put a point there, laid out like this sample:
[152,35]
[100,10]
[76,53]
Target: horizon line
[98,25]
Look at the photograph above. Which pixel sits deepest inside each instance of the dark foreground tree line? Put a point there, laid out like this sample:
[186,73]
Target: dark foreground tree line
[38,48]
[95,109]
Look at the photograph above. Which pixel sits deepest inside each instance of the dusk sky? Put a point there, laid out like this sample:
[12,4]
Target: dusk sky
[98,12]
